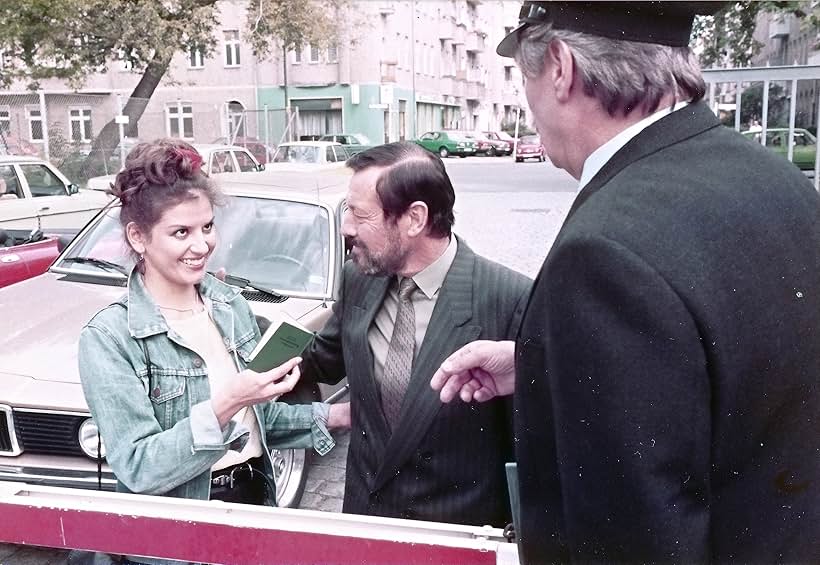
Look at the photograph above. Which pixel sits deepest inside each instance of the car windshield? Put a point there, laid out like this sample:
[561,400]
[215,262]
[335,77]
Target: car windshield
[531,140]
[278,244]
[361,139]
[296,154]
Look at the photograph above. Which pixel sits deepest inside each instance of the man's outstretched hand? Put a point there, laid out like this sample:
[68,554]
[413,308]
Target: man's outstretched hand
[479,371]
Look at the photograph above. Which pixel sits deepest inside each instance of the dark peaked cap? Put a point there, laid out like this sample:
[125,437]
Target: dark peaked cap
[665,23]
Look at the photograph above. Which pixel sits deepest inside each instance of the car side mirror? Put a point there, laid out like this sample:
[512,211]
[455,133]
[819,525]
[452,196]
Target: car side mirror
[73,188]
[260,167]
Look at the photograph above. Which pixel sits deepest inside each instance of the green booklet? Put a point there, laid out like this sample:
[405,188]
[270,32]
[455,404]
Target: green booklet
[279,343]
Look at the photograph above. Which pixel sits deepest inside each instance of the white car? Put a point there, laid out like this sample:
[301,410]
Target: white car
[216,159]
[34,194]
[308,156]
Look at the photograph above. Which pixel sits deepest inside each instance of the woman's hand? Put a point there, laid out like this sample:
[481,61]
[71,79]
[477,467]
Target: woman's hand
[249,387]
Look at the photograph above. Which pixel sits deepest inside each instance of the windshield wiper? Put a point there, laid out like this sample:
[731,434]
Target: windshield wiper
[101,263]
[242,282]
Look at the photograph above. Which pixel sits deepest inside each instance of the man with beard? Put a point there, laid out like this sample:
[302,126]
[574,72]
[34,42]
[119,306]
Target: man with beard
[412,294]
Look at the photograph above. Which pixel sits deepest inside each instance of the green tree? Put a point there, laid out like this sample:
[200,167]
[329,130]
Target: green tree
[725,39]
[72,39]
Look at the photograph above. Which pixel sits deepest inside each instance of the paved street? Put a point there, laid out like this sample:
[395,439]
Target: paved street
[506,211]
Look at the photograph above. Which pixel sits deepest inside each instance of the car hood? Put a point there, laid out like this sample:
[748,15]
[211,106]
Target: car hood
[43,317]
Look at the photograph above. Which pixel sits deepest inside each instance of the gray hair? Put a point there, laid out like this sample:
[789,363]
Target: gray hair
[622,75]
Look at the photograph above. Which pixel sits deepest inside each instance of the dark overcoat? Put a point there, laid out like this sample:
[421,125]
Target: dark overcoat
[442,462]
[667,395]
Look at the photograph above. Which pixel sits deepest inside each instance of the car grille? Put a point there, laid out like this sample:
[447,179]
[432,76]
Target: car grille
[48,433]
[5,435]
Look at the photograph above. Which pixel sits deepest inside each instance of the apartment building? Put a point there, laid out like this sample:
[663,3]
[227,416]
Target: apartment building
[404,68]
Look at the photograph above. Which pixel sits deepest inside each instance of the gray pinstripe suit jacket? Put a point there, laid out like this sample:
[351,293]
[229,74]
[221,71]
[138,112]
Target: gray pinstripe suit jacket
[443,462]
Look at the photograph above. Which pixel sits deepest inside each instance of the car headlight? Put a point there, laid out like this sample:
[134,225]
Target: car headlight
[461,144]
[87,437]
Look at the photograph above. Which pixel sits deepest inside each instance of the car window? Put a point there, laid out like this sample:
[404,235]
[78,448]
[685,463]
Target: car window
[9,184]
[341,153]
[532,139]
[427,136]
[42,181]
[296,154]
[221,162]
[245,161]
[801,139]
[330,157]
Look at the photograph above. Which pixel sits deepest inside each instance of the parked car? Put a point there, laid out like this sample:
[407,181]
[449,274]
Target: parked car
[216,159]
[804,148]
[309,155]
[285,251]
[257,147]
[35,194]
[529,147]
[25,254]
[353,142]
[482,144]
[502,142]
[447,143]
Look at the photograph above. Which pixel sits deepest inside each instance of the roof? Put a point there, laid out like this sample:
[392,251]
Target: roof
[326,185]
[310,143]
[8,159]
[208,147]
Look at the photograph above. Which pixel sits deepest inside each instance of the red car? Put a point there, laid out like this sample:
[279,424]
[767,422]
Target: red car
[529,147]
[23,256]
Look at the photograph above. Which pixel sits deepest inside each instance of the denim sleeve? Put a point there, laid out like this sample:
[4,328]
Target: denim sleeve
[294,426]
[143,456]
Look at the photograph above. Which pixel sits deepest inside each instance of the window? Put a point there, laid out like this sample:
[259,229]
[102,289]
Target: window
[507,74]
[80,120]
[330,157]
[232,48]
[297,55]
[42,182]
[35,124]
[9,177]
[180,120]
[245,161]
[332,54]
[5,120]
[314,54]
[196,57]
[221,162]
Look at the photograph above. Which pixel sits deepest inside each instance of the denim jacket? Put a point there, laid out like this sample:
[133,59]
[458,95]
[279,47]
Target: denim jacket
[160,431]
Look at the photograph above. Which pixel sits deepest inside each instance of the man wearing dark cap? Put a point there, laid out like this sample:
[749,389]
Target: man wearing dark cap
[666,372]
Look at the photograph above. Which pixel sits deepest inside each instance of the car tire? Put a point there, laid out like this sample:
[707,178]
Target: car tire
[491,152]
[519,160]
[541,159]
[291,467]
[443,152]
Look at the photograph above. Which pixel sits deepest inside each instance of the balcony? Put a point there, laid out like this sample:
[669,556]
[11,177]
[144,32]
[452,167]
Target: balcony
[475,91]
[446,28]
[460,35]
[476,75]
[475,42]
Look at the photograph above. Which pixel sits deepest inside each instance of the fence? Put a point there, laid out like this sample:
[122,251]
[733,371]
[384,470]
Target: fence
[88,135]
[772,104]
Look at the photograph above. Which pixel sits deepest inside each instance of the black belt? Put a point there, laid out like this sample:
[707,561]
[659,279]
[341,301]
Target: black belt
[245,483]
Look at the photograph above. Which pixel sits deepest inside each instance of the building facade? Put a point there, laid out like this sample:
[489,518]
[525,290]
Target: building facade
[397,70]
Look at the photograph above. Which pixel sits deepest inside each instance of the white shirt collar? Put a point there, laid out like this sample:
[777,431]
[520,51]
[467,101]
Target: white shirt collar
[605,152]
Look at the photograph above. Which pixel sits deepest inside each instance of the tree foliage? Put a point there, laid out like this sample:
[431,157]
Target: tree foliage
[726,38]
[73,39]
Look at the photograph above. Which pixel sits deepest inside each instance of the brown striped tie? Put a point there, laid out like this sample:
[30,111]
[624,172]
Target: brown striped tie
[399,361]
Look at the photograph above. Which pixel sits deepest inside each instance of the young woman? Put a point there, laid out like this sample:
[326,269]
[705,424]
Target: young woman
[163,368]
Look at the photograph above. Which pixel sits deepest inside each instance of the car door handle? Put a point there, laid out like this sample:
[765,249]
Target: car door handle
[44,209]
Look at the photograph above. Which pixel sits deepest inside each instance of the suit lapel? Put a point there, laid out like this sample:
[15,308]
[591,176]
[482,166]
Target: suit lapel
[448,329]
[365,311]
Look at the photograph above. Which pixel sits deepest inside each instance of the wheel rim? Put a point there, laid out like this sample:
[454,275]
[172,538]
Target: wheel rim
[443,152]
[288,472]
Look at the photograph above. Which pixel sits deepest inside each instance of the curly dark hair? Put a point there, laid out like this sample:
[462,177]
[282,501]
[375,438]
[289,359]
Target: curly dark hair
[157,176]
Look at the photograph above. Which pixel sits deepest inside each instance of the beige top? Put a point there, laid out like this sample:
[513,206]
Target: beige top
[424,301]
[201,334]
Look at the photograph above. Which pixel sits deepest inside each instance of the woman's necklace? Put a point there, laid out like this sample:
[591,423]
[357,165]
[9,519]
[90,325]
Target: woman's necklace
[196,309]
